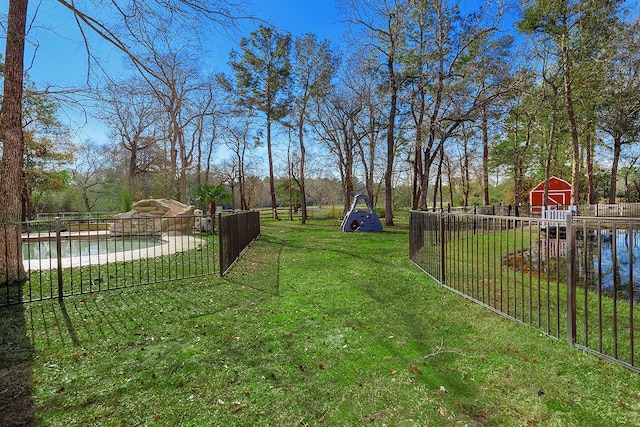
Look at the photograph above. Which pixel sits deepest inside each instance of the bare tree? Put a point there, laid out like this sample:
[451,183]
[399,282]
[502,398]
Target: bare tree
[313,68]
[205,128]
[236,135]
[551,82]
[368,90]
[385,22]
[133,115]
[334,124]
[467,152]
[173,78]
[88,175]
[456,72]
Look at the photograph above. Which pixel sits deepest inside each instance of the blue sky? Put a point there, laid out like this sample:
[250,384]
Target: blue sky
[60,58]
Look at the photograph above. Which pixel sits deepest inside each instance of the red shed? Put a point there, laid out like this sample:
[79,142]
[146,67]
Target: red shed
[559,193]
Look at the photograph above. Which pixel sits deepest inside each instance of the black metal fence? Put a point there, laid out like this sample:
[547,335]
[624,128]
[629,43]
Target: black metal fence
[236,232]
[577,278]
[617,210]
[71,257]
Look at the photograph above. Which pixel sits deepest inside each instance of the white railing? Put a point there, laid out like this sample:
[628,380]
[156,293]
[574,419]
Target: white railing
[554,216]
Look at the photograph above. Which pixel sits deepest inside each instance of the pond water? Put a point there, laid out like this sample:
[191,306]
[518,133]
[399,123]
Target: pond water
[81,247]
[622,247]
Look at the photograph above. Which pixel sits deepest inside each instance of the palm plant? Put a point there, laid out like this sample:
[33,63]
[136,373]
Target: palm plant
[210,195]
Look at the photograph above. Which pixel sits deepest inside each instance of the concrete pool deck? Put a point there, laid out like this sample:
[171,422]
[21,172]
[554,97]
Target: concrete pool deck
[171,244]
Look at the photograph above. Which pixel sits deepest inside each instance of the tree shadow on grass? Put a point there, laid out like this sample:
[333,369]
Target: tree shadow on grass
[16,360]
[124,314]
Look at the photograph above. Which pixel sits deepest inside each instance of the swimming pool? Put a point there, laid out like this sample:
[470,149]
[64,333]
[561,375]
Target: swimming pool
[41,249]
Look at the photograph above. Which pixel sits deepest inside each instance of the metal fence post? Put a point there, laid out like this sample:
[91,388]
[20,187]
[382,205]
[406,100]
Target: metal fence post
[571,279]
[59,258]
[442,251]
[220,244]
[475,218]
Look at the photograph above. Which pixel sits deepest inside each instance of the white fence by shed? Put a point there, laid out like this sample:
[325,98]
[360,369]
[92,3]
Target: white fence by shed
[557,216]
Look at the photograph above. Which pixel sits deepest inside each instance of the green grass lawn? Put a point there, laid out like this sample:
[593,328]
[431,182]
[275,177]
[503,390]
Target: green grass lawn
[312,327]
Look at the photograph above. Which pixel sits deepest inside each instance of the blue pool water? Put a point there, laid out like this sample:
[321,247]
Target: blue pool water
[81,247]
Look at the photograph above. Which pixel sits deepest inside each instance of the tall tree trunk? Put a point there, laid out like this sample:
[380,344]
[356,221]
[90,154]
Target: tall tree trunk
[184,164]
[415,182]
[348,182]
[417,161]
[550,147]
[429,158]
[388,175]
[207,169]
[370,170]
[272,186]
[485,156]
[170,185]
[303,196]
[450,180]
[290,178]
[591,188]
[372,190]
[241,183]
[573,128]
[519,176]
[133,169]
[617,146]
[438,187]
[25,204]
[466,177]
[199,163]
[11,182]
